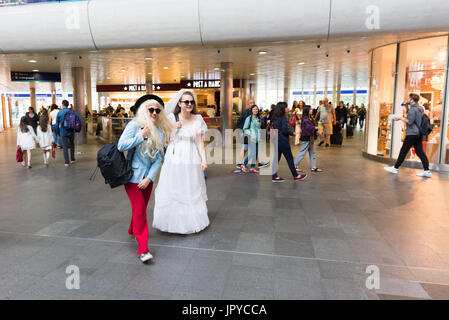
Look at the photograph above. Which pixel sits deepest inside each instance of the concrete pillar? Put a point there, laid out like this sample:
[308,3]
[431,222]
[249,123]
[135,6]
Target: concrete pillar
[338,94]
[354,99]
[245,94]
[3,105]
[286,94]
[314,95]
[149,84]
[79,101]
[226,95]
[53,92]
[10,111]
[89,92]
[33,96]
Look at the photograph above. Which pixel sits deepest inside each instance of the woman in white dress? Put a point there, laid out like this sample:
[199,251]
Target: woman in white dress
[181,195]
[45,136]
[26,139]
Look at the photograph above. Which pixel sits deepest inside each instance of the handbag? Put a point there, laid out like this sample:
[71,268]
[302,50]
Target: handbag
[19,154]
[292,120]
[53,150]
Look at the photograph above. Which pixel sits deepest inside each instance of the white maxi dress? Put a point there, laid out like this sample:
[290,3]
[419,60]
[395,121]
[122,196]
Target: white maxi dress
[181,194]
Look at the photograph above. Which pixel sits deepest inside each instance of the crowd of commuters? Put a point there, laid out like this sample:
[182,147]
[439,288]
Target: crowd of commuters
[49,129]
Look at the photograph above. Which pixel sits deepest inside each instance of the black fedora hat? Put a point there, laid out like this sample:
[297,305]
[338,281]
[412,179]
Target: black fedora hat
[146,97]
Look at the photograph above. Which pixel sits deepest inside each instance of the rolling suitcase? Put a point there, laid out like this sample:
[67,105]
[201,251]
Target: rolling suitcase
[337,136]
[349,131]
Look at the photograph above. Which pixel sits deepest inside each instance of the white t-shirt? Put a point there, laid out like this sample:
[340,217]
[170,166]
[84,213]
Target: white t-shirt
[53,115]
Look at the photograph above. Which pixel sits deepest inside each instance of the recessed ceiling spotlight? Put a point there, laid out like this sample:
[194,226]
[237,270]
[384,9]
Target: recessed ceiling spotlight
[252,74]
[165,68]
[35,70]
[301,63]
[148,58]
[182,77]
[123,70]
[108,78]
[217,69]
[32,61]
[262,52]
[328,70]
[149,73]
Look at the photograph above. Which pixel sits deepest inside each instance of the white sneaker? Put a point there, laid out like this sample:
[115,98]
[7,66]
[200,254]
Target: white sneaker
[391,170]
[144,257]
[425,174]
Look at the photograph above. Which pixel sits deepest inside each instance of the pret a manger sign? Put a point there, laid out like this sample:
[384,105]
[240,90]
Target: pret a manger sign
[201,84]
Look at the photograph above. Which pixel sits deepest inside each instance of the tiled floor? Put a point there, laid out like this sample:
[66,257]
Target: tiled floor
[296,240]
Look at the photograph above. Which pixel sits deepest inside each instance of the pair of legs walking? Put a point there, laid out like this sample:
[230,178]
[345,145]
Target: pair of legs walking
[139,225]
[307,146]
[252,155]
[287,152]
[409,142]
[68,142]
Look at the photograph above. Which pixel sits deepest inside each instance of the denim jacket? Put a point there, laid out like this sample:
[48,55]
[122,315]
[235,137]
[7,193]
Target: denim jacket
[143,166]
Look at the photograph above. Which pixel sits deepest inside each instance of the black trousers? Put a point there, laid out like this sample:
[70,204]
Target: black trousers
[287,152]
[409,142]
[68,143]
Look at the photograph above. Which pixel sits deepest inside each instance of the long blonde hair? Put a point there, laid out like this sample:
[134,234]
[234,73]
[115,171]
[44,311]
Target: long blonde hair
[154,143]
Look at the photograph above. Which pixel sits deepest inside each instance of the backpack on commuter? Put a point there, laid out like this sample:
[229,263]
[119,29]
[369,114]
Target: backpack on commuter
[241,120]
[71,121]
[426,128]
[115,168]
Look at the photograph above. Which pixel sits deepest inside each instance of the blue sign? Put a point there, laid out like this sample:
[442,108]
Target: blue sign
[35,76]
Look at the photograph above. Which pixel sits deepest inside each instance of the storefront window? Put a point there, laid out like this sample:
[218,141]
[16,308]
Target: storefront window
[378,142]
[422,71]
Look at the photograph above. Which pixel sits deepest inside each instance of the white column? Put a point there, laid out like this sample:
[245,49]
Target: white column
[226,95]
[79,101]
[33,96]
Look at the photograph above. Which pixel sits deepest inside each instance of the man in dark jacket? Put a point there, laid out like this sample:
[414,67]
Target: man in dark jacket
[67,135]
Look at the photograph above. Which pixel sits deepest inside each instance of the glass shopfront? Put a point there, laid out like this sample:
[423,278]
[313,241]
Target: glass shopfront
[417,66]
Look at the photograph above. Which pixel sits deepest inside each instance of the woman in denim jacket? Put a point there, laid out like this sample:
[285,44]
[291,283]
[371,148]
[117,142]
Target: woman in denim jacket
[148,133]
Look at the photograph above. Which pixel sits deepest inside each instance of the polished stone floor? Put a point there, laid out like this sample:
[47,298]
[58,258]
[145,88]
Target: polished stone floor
[296,240]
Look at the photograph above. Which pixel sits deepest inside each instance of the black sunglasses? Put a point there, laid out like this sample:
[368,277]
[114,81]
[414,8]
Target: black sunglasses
[189,102]
[153,109]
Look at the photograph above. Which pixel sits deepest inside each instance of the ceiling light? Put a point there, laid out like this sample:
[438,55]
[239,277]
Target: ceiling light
[35,70]
[182,77]
[149,73]
[217,69]
[301,63]
[328,70]
[32,61]
[252,74]
[123,70]
[148,58]
[165,68]
[108,78]
[262,52]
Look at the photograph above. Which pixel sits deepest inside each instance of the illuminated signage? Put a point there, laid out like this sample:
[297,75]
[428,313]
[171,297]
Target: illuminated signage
[35,76]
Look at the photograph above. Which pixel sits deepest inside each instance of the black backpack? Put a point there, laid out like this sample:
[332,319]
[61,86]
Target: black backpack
[426,128]
[115,168]
[241,121]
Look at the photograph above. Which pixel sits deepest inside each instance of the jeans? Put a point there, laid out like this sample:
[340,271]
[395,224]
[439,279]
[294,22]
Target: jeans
[253,152]
[409,142]
[361,122]
[68,143]
[342,121]
[287,152]
[55,135]
[306,145]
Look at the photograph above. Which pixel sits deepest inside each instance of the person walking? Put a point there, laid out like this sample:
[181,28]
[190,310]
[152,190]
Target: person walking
[53,114]
[251,128]
[45,137]
[362,115]
[413,137]
[26,139]
[146,136]
[280,123]
[307,137]
[326,116]
[181,195]
[33,118]
[298,117]
[341,113]
[67,135]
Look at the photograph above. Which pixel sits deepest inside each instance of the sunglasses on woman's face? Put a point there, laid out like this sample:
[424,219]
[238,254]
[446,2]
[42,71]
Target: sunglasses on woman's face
[189,102]
[154,109]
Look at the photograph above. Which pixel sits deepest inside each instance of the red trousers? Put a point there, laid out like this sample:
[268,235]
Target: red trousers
[139,224]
